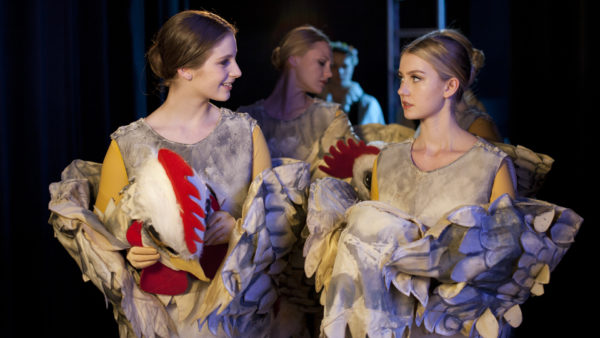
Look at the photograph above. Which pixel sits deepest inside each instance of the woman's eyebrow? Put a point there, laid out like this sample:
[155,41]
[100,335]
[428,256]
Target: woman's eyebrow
[411,72]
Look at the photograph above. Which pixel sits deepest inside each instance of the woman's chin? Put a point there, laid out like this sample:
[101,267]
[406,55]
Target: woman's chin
[221,98]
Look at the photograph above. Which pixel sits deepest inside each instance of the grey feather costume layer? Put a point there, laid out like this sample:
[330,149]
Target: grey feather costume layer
[384,271]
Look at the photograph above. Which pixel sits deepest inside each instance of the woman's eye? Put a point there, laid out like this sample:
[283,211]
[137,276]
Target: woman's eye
[416,79]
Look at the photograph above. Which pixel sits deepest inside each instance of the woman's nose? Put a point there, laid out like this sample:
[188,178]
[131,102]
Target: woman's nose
[402,90]
[327,72]
[235,71]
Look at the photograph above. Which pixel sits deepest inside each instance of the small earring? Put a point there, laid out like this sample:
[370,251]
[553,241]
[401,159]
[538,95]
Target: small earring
[184,74]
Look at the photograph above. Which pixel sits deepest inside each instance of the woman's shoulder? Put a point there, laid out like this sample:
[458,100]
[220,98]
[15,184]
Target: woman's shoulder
[395,156]
[323,111]
[397,147]
[400,144]
[238,117]
[490,148]
[128,129]
[325,106]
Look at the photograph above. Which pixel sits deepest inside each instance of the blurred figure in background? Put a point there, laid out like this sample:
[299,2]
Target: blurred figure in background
[360,107]
[296,124]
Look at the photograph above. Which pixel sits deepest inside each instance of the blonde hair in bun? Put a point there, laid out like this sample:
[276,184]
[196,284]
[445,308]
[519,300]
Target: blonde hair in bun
[477,62]
[275,58]
[296,43]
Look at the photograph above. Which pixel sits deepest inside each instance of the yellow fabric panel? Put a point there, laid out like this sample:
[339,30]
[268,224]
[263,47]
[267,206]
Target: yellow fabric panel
[113,177]
[503,183]
[261,158]
[374,187]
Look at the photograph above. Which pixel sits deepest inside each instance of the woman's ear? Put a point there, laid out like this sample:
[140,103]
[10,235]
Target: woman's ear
[184,73]
[293,61]
[451,87]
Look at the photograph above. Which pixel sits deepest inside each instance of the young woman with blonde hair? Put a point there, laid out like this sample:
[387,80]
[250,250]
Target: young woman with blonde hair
[296,124]
[445,247]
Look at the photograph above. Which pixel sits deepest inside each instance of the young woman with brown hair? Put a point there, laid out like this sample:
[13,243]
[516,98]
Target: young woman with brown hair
[182,269]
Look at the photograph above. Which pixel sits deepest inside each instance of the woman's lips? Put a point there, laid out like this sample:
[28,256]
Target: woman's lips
[228,85]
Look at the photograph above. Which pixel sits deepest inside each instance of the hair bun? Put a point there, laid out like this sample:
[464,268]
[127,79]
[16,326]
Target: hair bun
[477,62]
[155,61]
[276,58]
[477,59]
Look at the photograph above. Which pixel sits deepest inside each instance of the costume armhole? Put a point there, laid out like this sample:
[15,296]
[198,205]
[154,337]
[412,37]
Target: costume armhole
[113,177]
[261,158]
[374,187]
[503,182]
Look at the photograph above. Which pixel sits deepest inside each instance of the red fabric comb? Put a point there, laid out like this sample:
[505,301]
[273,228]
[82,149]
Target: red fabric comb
[178,170]
[340,163]
[157,278]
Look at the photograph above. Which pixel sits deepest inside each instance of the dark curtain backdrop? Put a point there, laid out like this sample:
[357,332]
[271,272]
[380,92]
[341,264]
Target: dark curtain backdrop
[71,72]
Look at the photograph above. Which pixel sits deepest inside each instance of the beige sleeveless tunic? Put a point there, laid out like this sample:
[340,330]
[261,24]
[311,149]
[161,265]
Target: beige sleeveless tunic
[223,158]
[307,137]
[430,195]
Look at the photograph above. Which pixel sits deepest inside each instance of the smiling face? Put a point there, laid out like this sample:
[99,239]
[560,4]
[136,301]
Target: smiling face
[214,79]
[313,69]
[421,91]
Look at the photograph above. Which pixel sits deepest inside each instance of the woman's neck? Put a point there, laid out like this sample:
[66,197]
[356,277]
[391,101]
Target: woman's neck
[441,133]
[181,105]
[184,118]
[287,101]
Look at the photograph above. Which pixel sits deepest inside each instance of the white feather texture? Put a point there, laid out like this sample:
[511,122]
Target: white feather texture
[363,166]
[158,205]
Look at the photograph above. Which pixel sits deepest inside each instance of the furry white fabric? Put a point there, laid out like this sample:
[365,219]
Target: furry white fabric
[362,170]
[157,204]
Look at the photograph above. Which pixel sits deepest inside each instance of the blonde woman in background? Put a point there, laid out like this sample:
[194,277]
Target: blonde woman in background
[295,123]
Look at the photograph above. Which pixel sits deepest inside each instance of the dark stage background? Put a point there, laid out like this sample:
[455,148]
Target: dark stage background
[71,72]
